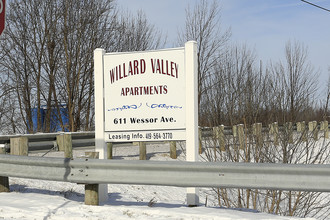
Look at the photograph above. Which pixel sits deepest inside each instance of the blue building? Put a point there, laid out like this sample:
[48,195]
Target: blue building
[55,116]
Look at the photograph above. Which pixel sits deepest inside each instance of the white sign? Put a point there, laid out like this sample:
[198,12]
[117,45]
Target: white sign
[145,95]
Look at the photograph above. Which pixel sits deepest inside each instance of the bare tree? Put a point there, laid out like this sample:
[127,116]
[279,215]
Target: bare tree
[6,107]
[82,24]
[203,25]
[135,33]
[326,105]
[291,147]
[236,91]
[48,54]
[18,59]
[126,33]
[298,81]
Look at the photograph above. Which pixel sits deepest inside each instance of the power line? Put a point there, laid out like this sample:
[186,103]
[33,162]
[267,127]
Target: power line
[316,5]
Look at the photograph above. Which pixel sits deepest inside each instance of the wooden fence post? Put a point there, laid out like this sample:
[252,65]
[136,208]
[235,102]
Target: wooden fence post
[234,131]
[303,131]
[298,127]
[92,190]
[215,132]
[316,131]
[218,133]
[222,138]
[60,142]
[325,128]
[173,154]
[109,146]
[67,140]
[19,146]
[200,140]
[312,126]
[92,194]
[257,131]
[275,127]
[143,150]
[272,132]
[289,131]
[240,129]
[4,181]
[64,143]
[322,126]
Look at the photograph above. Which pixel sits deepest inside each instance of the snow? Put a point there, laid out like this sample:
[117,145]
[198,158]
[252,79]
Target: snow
[38,199]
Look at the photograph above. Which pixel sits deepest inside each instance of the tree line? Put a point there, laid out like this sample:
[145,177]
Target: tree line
[235,87]
[47,61]
[47,57]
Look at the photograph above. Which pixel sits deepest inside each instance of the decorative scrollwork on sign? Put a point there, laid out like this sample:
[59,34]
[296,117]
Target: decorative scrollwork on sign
[163,106]
[125,107]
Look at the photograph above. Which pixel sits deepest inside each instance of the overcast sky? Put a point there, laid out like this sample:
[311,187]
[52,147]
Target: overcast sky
[263,25]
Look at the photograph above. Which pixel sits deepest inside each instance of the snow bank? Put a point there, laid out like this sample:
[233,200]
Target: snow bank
[38,199]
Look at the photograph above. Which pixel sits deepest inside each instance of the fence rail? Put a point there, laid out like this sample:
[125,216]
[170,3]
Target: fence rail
[182,174]
[43,141]
[48,136]
[80,139]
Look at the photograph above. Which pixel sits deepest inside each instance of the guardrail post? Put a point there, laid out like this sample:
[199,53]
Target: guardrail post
[257,131]
[241,137]
[274,131]
[275,124]
[92,190]
[303,131]
[109,146]
[64,143]
[234,131]
[143,150]
[19,146]
[4,181]
[289,131]
[59,142]
[324,127]
[68,146]
[312,126]
[173,154]
[222,138]
[218,133]
[200,148]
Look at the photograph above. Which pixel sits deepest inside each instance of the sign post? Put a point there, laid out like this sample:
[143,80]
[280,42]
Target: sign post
[192,143]
[100,144]
[147,96]
[2,15]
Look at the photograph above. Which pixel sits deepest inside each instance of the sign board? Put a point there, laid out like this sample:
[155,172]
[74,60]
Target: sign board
[2,15]
[145,95]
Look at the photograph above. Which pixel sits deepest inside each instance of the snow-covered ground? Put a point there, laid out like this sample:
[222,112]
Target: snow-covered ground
[37,199]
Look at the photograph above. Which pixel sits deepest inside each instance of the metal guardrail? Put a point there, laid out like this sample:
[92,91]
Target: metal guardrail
[44,141]
[174,173]
[48,136]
